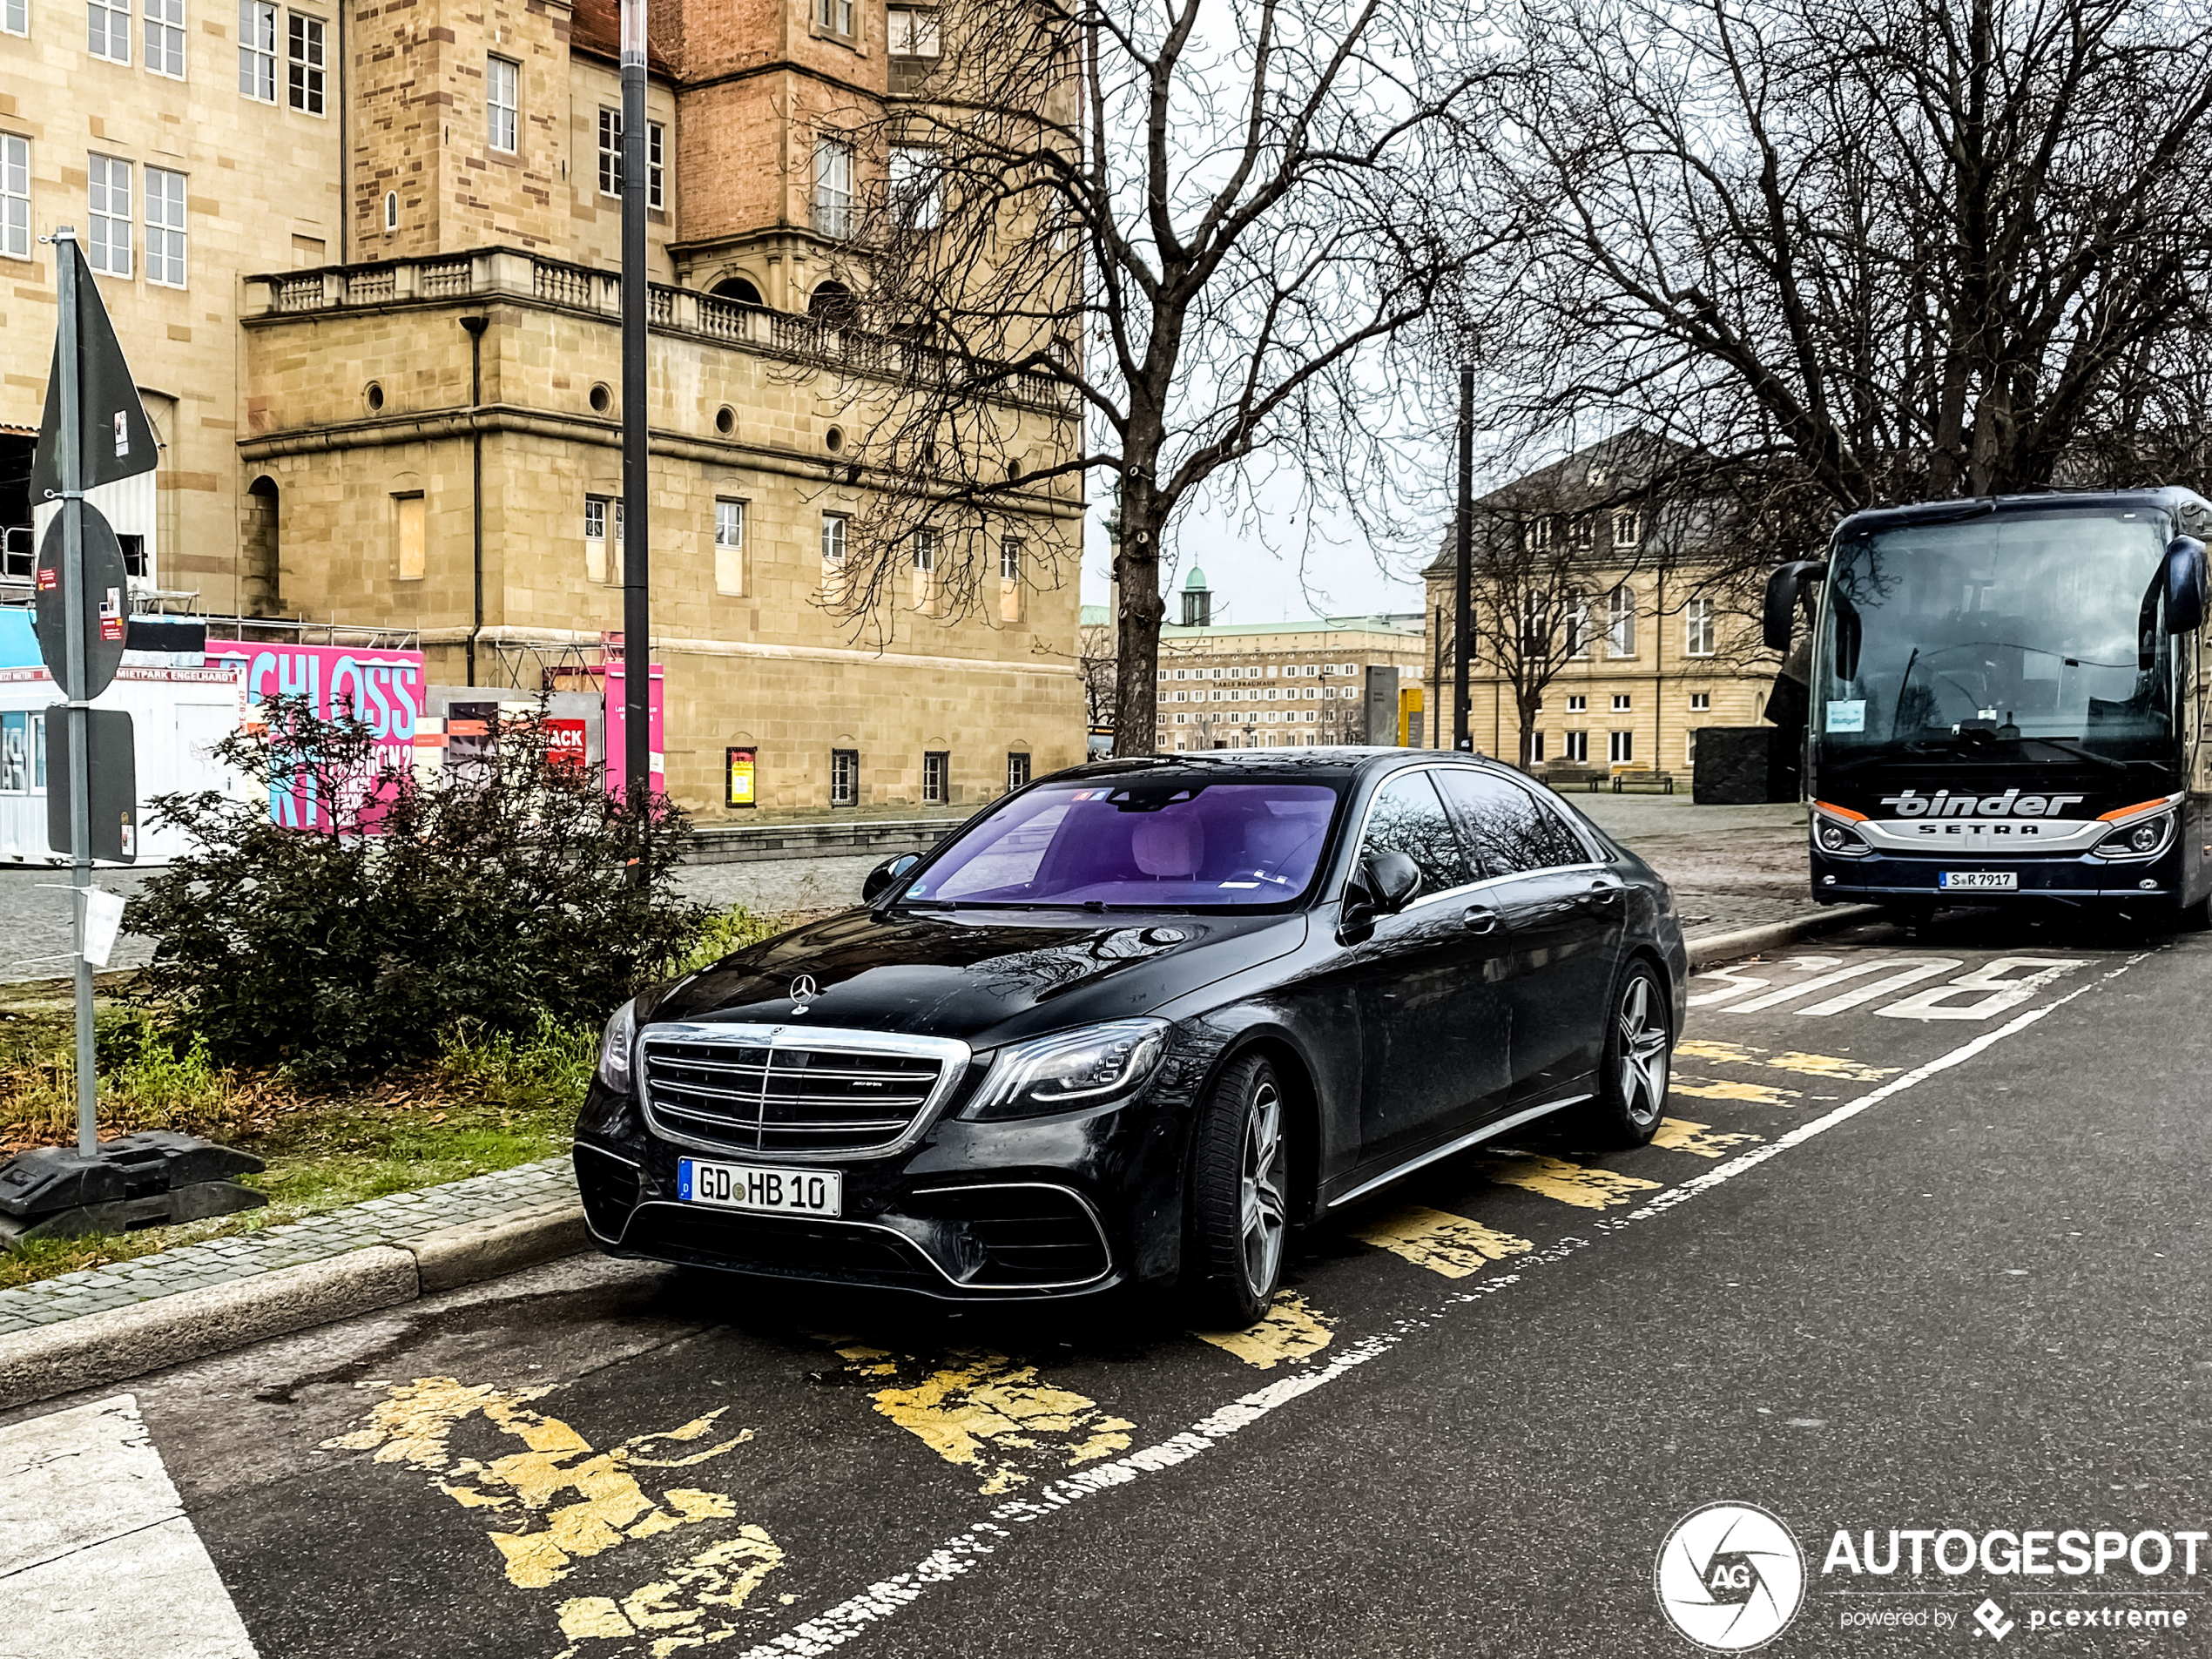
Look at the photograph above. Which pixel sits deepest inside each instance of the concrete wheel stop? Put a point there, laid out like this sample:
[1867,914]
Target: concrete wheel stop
[153,1179]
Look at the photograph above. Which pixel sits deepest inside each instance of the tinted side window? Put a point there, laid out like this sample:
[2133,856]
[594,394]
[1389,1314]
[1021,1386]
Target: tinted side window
[1511,830]
[1408,818]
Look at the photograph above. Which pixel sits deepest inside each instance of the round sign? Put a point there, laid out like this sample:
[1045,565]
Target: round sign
[106,587]
[1731,1577]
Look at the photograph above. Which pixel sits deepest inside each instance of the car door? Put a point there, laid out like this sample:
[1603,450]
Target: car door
[1424,985]
[1564,912]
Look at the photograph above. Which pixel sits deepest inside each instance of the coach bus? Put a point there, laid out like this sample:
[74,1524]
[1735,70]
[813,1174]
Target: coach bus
[2006,704]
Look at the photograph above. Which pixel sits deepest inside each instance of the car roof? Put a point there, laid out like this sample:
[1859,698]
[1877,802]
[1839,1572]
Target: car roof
[1337,763]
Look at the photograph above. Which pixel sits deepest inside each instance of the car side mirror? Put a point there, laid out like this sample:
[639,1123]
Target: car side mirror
[887,875]
[2185,583]
[1381,885]
[1784,589]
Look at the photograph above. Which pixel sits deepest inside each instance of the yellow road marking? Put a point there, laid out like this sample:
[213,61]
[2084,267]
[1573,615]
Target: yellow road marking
[988,1412]
[415,1424]
[1679,1135]
[1574,1183]
[1716,1089]
[1290,1331]
[1811,1065]
[1441,1241]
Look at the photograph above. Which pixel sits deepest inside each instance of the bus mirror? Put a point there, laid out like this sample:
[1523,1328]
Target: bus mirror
[2185,581]
[1849,634]
[1782,588]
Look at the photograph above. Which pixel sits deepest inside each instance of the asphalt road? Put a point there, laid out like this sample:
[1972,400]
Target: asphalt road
[1913,1254]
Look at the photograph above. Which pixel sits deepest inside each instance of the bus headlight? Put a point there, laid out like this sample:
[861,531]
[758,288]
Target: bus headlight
[1838,839]
[2145,837]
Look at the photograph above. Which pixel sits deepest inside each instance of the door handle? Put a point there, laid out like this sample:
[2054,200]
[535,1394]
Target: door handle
[1480,919]
[1601,892]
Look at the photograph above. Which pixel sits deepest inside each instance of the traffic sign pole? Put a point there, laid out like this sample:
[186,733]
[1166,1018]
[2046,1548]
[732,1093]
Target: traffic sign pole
[69,456]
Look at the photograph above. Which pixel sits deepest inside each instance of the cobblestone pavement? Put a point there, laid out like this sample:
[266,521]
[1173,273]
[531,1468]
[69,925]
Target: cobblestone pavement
[527,1190]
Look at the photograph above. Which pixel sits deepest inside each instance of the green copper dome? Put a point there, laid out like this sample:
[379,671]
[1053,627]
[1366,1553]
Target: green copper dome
[1196,582]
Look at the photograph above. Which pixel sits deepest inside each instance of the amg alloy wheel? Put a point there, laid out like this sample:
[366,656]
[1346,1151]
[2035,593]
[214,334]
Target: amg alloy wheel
[1239,1198]
[1639,1052]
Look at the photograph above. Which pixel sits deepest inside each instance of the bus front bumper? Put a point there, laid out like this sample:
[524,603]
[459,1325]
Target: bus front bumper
[2077,880]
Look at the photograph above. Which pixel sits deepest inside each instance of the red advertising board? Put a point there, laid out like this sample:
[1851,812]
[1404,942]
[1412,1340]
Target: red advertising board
[564,742]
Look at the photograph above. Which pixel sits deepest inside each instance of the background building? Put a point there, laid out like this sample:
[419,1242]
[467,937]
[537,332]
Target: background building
[1637,628]
[1278,685]
[362,265]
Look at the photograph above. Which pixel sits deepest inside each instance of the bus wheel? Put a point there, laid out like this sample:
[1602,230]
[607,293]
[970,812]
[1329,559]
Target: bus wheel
[2194,918]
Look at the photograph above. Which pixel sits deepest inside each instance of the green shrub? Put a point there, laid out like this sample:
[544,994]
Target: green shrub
[497,896]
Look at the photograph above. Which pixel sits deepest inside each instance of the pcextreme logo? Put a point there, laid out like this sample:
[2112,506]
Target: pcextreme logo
[1729,1577]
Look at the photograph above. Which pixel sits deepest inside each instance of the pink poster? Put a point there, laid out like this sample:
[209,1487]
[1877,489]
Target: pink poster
[616,782]
[383,688]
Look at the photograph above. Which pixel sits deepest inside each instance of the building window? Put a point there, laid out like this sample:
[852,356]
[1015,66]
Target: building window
[1697,629]
[165,228]
[1621,623]
[913,34]
[653,196]
[598,509]
[1699,702]
[913,186]
[844,777]
[14,16]
[303,62]
[110,30]
[836,16]
[1535,748]
[257,49]
[108,191]
[1017,771]
[936,774]
[1010,559]
[833,187]
[1577,746]
[15,196]
[165,37]
[391,212]
[728,546]
[1536,535]
[925,553]
[1577,703]
[1620,702]
[1621,747]
[611,153]
[1628,528]
[410,553]
[502,92]
[833,553]
[1578,628]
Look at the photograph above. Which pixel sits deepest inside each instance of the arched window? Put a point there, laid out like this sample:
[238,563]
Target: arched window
[832,301]
[258,585]
[741,290]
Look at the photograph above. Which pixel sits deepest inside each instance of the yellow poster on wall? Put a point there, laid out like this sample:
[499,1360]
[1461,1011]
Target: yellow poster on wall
[739,769]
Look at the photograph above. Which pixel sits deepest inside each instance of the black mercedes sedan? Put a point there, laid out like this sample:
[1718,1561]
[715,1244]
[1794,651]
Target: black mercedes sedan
[1131,1023]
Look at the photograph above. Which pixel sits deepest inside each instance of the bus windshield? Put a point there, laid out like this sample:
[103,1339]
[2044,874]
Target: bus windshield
[2042,633]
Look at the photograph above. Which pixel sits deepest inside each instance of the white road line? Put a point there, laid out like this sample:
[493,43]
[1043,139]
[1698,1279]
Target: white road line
[965,1550]
[98,1559]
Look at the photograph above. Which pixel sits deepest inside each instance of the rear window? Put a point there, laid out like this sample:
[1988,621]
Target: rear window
[1150,843]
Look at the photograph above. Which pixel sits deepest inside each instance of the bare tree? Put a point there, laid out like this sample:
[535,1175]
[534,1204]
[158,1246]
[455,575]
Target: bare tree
[1095,663]
[1881,250]
[1197,228]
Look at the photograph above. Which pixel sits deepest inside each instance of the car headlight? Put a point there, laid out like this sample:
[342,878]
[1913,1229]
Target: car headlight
[614,1048]
[1070,1069]
[2139,839]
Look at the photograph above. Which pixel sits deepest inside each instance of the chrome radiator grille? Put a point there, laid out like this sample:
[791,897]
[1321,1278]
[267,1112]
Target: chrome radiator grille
[801,1094]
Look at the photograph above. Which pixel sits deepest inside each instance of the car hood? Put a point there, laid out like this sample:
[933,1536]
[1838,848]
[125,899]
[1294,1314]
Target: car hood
[985,977]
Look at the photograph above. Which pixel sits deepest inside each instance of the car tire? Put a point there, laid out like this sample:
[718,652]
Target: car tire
[1638,1059]
[1239,1202]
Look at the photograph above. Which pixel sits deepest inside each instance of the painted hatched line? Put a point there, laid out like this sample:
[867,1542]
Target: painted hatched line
[1679,1135]
[1441,1241]
[1836,1068]
[1729,1089]
[1290,1332]
[1579,1185]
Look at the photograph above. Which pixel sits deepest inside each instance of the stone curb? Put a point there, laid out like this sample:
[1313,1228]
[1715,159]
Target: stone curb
[1750,941]
[97,1349]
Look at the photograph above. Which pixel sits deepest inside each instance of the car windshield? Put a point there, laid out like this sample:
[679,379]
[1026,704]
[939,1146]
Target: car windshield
[2043,627]
[1149,843]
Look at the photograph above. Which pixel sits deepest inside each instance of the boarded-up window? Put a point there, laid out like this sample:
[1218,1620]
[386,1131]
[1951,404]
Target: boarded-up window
[729,547]
[412,561]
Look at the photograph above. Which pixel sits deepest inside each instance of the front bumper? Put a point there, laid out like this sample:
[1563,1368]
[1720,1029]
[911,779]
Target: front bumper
[2077,880]
[1028,1210]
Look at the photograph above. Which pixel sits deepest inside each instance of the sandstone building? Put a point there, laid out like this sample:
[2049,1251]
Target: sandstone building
[362,261]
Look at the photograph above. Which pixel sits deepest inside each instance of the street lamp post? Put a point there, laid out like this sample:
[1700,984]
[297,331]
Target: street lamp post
[636,614]
[1463,598]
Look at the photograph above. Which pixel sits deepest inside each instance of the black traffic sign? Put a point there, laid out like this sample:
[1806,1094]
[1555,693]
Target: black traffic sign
[107,605]
[113,764]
